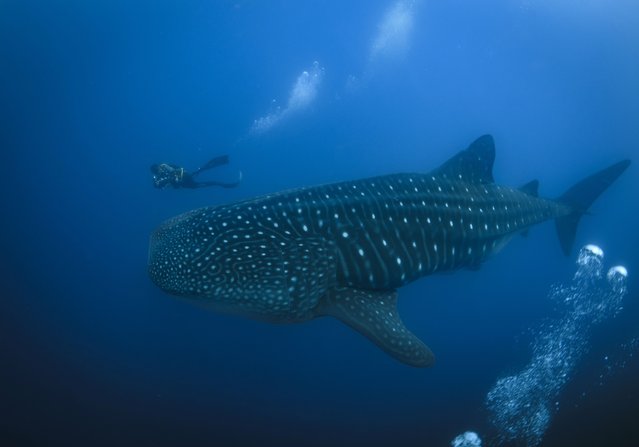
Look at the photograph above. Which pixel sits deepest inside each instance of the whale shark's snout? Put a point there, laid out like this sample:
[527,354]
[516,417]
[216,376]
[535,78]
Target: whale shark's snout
[171,257]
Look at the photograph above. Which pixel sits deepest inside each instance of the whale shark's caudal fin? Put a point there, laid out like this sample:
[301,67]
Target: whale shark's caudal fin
[580,197]
[374,314]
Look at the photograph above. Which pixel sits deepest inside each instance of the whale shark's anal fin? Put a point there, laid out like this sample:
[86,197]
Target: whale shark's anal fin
[374,314]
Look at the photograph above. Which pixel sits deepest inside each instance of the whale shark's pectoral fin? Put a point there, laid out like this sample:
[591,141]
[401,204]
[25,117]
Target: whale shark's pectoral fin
[374,314]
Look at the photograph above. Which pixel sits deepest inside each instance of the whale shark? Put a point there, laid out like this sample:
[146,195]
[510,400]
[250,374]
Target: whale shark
[343,249]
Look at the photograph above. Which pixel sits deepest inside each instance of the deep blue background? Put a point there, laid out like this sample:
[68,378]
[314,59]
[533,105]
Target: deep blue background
[92,93]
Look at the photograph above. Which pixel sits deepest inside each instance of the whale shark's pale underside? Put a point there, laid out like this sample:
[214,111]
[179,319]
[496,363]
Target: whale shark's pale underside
[343,249]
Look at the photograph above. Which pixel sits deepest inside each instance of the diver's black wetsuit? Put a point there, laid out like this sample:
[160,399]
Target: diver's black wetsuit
[165,175]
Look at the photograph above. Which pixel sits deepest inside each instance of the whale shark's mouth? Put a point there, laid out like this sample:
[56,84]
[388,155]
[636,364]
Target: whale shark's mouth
[150,249]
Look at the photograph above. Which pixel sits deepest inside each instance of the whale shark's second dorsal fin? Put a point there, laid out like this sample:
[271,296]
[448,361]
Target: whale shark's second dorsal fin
[531,188]
[374,314]
[473,165]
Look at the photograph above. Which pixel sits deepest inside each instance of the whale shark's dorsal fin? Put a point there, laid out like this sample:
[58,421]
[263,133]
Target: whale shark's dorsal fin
[473,165]
[374,314]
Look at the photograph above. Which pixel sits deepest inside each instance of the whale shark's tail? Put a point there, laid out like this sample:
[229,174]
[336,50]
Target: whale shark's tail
[580,197]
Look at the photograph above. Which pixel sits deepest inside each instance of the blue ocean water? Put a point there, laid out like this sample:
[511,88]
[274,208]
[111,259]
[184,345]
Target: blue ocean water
[298,93]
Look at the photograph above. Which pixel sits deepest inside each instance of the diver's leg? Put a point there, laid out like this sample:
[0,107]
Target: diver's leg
[234,184]
[216,183]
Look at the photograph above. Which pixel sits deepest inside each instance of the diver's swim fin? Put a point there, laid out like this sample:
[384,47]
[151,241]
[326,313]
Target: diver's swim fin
[214,163]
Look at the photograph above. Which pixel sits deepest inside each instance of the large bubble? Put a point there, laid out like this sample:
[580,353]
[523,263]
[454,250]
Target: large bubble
[467,439]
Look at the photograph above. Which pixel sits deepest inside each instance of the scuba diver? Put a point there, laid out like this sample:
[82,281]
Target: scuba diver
[165,175]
